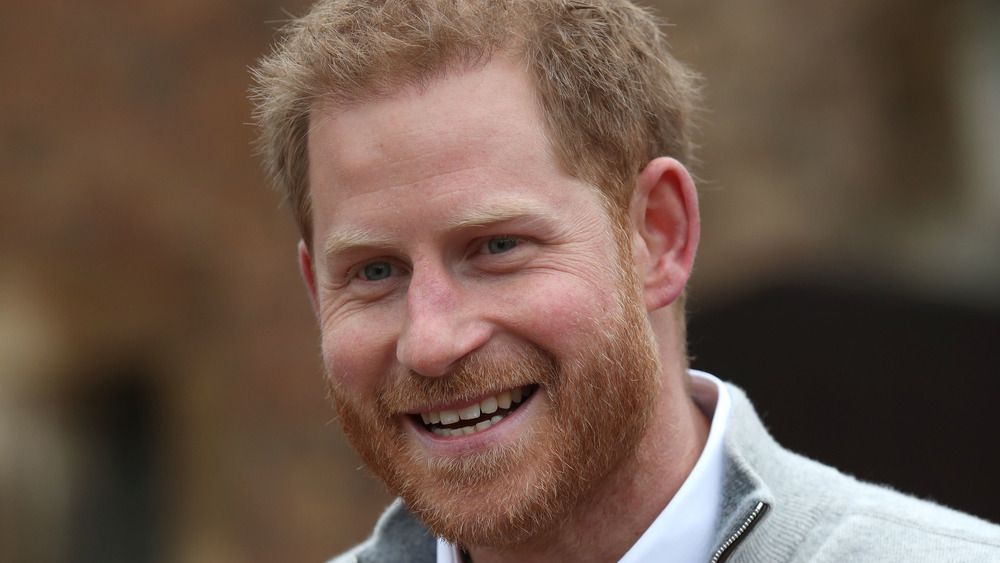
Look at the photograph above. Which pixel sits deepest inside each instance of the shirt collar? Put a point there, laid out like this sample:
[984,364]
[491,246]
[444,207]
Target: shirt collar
[685,529]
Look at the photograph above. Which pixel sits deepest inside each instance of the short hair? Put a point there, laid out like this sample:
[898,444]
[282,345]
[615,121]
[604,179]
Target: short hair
[611,96]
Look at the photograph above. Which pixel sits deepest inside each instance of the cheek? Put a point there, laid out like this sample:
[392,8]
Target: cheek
[556,316]
[356,354]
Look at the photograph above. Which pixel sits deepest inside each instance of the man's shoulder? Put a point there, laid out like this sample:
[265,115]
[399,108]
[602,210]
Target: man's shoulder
[398,536]
[876,520]
[888,525]
[817,513]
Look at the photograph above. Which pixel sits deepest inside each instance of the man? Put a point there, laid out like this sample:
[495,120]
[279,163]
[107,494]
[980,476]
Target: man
[497,228]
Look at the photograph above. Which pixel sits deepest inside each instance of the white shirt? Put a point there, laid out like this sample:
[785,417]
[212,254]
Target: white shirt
[684,529]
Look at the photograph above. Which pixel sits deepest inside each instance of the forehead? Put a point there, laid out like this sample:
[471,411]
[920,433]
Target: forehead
[457,121]
[470,143]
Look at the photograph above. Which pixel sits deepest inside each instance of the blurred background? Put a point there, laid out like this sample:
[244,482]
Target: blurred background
[161,394]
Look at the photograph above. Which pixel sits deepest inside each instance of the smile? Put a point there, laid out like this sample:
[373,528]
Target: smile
[477,416]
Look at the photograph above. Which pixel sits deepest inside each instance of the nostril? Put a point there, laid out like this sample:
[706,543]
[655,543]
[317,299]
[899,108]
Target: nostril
[433,349]
[429,358]
[442,323]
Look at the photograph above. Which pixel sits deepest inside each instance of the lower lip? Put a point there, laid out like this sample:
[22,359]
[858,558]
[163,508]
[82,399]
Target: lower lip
[454,445]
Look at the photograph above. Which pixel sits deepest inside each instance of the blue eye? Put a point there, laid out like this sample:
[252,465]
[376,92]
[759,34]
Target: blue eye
[376,271]
[500,245]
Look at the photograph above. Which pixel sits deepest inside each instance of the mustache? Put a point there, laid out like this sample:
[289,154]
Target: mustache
[479,374]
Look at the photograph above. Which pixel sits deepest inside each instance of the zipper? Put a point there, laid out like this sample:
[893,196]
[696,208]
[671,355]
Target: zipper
[748,523]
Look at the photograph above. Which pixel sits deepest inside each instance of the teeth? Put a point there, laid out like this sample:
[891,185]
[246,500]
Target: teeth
[449,432]
[489,405]
[470,412]
[503,400]
[450,417]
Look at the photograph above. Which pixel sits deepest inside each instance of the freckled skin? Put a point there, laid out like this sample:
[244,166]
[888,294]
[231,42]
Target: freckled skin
[423,186]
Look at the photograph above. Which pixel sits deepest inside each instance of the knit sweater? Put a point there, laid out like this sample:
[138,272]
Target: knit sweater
[777,506]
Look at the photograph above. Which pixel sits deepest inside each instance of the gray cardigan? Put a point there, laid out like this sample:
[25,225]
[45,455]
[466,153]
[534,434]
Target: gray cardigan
[777,506]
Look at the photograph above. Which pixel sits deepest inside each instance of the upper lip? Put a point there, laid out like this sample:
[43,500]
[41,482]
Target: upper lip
[459,403]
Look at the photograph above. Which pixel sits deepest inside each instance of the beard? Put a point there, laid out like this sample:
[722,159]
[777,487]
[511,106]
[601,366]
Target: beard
[599,406]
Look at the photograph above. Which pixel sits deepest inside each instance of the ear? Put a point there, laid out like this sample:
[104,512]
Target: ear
[667,227]
[308,275]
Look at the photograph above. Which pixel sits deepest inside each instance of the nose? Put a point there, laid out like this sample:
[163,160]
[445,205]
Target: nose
[441,325]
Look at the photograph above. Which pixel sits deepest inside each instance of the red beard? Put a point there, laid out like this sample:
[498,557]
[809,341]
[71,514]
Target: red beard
[599,406]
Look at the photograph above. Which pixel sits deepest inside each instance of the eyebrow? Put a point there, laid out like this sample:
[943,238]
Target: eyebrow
[340,242]
[343,241]
[497,212]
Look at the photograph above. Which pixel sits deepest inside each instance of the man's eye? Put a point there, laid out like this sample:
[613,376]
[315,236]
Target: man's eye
[376,271]
[500,245]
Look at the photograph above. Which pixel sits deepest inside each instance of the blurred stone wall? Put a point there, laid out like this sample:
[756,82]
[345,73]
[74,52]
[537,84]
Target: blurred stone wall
[848,138]
[161,396]
[146,265]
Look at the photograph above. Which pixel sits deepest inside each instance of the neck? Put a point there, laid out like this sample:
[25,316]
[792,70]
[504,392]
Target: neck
[606,523]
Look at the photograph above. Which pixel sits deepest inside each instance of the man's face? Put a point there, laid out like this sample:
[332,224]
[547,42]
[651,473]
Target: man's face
[485,342]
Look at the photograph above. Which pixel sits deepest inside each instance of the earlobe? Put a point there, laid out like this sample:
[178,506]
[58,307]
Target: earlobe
[308,275]
[665,216]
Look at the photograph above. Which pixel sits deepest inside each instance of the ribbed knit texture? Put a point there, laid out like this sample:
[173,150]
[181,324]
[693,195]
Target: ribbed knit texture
[817,513]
